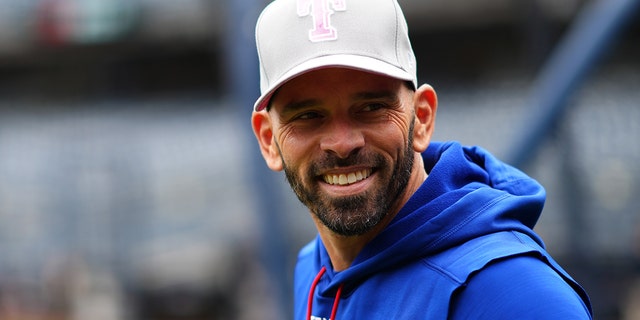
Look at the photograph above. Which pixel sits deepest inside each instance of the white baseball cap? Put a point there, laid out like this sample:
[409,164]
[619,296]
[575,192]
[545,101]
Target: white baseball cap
[297,36]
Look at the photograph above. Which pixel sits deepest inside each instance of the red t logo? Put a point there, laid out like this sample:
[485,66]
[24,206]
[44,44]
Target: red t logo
[321,11]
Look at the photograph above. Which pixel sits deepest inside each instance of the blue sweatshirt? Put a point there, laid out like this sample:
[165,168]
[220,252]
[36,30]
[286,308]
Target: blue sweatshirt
[461,248]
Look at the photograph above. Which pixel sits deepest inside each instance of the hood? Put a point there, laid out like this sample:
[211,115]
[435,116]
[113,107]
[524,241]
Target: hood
[468,193]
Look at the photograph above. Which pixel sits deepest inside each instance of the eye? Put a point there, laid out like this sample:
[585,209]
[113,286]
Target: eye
[373,106]
[308,115]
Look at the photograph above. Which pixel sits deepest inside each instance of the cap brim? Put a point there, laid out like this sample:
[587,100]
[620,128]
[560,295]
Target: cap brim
[362,63]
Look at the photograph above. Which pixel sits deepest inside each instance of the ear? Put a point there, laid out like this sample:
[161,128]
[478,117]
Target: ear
[263,129]
[426,104]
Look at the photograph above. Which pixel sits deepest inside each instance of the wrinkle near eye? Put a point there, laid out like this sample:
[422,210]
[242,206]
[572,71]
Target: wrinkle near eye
[289,133]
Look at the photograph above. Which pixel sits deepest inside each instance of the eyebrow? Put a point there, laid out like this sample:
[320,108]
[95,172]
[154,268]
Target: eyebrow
[294,106]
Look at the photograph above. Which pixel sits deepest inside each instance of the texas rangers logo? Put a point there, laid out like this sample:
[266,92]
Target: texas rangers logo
[321,11]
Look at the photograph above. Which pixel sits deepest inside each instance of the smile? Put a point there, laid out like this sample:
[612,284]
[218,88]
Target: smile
[344,179]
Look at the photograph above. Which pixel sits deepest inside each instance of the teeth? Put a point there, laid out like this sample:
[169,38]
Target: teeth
[345,179]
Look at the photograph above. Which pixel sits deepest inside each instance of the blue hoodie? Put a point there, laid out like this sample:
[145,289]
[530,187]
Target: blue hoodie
[461,248]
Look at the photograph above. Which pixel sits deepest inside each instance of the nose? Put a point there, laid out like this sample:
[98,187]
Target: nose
[342,138]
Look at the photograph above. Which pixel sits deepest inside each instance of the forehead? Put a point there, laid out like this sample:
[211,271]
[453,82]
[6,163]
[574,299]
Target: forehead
[334,83]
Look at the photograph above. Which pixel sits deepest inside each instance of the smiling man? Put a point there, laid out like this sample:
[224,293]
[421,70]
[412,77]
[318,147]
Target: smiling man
[407,228]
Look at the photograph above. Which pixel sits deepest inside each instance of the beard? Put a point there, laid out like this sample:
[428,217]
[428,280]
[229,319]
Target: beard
[356,214]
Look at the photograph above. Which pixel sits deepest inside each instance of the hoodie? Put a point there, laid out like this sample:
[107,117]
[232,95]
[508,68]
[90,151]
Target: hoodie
[447,252]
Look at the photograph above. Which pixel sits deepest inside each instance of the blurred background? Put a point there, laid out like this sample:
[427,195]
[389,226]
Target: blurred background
[131,186]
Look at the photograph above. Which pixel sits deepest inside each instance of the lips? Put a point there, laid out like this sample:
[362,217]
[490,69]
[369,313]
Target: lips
[344,179]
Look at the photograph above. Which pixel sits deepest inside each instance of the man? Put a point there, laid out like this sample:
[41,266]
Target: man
[407,228]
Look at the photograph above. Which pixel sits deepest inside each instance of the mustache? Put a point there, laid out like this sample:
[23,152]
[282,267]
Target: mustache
[332,161]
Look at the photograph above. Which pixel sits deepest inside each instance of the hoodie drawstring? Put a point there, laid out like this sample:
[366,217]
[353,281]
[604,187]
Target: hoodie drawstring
[334,310]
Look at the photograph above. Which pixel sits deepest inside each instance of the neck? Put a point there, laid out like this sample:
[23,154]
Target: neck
[343,250]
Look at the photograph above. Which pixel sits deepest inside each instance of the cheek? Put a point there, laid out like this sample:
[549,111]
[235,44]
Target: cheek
[390,144]
[397,129]
[294,151]
[289,136]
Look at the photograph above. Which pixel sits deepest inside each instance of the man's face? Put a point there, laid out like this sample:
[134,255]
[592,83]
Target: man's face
[345,142]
